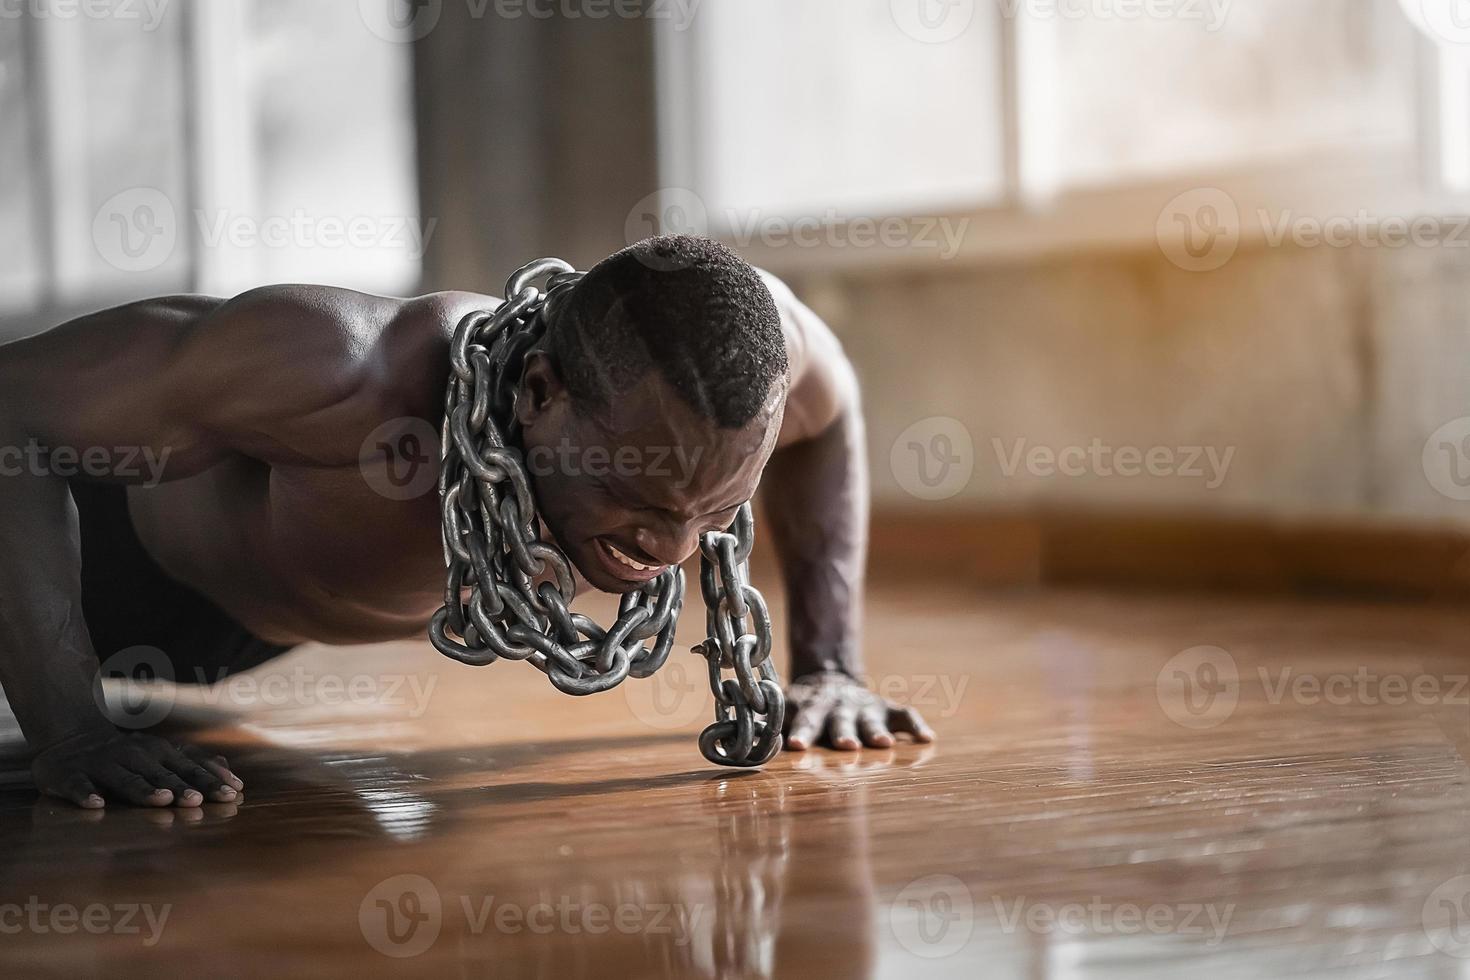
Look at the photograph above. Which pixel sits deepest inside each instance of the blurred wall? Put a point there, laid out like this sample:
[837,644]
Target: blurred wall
[535,137]
[1318,374]
[1293,382]
[200,146]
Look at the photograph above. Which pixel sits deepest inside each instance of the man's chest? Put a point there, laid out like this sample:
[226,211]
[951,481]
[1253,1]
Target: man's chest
[300,552]
[356,533]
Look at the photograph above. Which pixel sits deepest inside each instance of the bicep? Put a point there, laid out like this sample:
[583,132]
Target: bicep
[94,382]
[277,373]
[195,376]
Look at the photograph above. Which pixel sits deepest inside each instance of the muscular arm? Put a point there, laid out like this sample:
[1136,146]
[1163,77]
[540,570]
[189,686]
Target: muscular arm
[816,496]
[815,492]
[69,390]
[191,380]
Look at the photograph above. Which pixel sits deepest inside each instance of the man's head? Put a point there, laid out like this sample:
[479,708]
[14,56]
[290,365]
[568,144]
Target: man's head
[653,405]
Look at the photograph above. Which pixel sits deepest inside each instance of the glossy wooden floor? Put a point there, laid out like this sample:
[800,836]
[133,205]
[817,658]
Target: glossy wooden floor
[1064,826]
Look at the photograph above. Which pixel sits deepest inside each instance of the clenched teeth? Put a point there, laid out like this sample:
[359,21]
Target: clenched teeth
[635,565]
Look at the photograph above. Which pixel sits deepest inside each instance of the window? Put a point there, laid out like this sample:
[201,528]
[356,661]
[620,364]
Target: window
[1054,123]
[795,107]
[1271,82]
[228,144]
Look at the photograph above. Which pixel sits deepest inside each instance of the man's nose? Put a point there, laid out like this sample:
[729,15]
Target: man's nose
[668,544]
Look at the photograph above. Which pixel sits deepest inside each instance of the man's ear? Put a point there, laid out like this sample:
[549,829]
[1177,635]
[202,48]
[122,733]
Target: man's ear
[540,389]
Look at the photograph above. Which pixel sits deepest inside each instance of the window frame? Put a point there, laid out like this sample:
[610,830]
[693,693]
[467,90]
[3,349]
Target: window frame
[1036,217]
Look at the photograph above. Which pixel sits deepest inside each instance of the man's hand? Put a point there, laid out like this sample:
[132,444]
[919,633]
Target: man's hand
[143,770]
[835,710]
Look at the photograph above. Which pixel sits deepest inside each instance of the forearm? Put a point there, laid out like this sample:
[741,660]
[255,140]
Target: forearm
[47,665]
[816,500]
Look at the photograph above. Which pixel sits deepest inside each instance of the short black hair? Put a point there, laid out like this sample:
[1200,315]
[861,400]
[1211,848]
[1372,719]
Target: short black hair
[687,306]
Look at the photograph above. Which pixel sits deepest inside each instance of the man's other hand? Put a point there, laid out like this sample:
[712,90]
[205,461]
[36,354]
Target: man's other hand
[143,770]
[837,711]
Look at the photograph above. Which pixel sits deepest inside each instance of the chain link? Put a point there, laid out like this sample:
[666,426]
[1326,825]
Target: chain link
[508,591]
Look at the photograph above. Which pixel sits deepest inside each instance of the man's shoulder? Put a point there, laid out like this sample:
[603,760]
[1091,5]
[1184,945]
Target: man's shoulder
[798,324]
[412,352]
[822,381]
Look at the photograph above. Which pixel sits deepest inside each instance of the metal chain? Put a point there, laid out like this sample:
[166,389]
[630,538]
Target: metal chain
[508,590]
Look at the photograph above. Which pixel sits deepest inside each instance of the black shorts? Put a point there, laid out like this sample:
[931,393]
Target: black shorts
[130,601]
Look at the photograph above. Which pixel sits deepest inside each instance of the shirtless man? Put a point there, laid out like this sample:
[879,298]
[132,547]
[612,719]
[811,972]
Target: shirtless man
[261,531]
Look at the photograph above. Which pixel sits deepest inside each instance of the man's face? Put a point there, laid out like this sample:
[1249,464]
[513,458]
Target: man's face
[629,492]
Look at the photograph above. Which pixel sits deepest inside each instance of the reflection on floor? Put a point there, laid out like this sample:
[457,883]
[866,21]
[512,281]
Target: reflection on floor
[1124,786]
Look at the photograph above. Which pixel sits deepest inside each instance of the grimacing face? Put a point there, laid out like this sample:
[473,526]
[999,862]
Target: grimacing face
[630,491]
